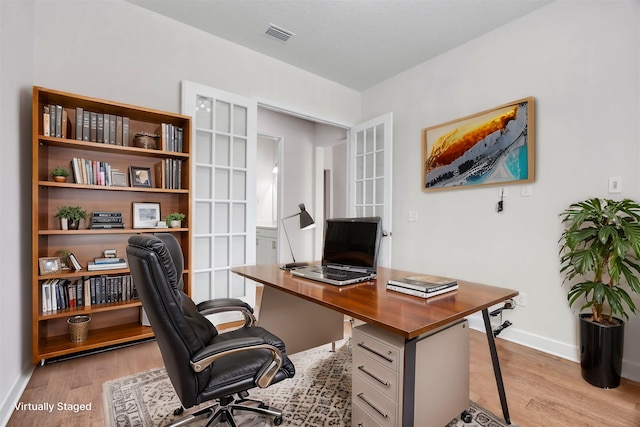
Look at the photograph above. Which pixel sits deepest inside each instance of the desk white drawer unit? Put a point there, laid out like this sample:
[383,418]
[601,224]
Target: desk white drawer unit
[378,358]
[421,382]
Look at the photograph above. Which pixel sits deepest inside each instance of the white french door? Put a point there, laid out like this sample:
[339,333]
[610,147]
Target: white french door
[370,171]
[224,190]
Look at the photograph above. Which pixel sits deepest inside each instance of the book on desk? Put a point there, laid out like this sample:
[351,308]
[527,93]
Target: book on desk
[424,286]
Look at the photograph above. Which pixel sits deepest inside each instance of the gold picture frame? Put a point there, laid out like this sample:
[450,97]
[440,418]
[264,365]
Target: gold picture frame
[493,147]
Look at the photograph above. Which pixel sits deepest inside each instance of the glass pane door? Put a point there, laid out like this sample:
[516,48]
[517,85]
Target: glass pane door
[370,165]
[224,190]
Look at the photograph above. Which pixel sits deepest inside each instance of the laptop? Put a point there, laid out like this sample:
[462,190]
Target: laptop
[350,252]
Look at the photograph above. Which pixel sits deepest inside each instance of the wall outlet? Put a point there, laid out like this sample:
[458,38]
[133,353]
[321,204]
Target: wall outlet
[521,299]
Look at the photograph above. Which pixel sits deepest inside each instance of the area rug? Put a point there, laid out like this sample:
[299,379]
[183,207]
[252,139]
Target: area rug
[318,395]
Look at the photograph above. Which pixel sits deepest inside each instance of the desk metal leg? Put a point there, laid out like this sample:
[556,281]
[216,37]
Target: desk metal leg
[496,365]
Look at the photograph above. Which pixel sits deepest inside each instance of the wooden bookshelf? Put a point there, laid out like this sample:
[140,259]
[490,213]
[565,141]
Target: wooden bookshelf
[115,322]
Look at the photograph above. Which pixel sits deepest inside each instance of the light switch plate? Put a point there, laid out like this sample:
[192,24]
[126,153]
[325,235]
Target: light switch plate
[615,184]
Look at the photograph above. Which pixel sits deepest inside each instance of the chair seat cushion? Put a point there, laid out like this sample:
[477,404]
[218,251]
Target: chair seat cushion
[236,373]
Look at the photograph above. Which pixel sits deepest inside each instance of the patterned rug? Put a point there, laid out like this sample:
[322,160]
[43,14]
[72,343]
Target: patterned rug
[318,395]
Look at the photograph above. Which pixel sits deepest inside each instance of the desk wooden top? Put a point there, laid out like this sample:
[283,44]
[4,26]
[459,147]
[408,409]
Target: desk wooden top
[371,302]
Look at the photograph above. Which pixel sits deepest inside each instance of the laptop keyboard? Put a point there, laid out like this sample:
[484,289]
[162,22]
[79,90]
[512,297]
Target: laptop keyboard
[342,274]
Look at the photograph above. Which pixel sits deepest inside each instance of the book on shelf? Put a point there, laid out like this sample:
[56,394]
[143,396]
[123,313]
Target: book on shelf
[46,129]
[79,123]
[106,260]
[424,283]
[93,266]
[74,262]
[421,294]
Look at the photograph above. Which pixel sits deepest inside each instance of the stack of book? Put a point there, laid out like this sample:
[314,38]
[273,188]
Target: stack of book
[423,286]
[106,264]
[106,220]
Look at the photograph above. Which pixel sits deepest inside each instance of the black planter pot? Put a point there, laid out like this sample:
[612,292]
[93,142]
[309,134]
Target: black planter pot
[601,348]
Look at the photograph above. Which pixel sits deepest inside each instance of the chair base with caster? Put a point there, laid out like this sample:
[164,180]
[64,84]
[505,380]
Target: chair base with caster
[225,409]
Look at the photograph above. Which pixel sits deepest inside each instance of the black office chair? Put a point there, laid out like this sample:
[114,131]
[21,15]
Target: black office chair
[202,364]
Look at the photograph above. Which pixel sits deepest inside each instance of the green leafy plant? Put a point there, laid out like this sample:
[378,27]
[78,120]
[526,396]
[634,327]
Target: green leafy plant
[60,171]
[74,213]
[601,247]
[175,216]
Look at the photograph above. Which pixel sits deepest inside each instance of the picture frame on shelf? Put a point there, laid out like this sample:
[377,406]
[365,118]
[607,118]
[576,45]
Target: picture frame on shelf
[146,215]
[118,179]
[140,176]
[50,265]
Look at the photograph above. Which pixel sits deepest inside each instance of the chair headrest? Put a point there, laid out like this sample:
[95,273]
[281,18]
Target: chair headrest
[168,252]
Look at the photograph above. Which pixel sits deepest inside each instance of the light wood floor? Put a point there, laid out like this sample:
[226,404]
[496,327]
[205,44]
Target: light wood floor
[542,390]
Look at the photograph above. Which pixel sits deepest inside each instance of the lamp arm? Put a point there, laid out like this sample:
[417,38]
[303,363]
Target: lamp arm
[287,236]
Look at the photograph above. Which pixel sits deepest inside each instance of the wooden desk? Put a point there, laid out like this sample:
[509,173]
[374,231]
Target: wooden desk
[292,299]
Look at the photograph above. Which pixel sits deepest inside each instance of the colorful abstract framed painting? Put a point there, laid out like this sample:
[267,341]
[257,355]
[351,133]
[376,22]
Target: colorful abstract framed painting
[493,147]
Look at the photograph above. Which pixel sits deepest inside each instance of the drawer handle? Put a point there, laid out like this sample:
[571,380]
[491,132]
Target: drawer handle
[385,383]
[382,414]
[388,359]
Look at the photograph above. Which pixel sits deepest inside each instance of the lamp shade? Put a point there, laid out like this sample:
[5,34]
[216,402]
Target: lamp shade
[306,221]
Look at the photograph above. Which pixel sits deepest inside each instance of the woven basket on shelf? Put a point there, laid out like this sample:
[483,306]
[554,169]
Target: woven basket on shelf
[78,328]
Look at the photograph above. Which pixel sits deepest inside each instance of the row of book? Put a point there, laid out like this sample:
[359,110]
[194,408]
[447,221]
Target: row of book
[59,294]
[89,126]
[103,128]
[423,286]
[171,137]
[169,173]
[92,172]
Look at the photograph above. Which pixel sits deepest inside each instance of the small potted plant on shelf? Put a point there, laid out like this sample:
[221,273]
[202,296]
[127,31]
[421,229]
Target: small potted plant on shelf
[601,248]
[59,174]
[70,217]
[174,220]
[65,263]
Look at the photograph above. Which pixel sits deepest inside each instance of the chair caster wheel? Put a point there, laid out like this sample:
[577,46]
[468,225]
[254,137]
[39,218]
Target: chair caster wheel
[466,417]
[277,421]
[178,411]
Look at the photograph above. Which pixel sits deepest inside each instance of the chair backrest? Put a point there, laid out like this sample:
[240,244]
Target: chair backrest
[156,265]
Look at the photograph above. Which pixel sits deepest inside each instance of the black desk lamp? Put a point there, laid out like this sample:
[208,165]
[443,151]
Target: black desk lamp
[306,223]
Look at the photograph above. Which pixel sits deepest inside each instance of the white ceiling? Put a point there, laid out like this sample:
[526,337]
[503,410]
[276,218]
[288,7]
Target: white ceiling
[357,43]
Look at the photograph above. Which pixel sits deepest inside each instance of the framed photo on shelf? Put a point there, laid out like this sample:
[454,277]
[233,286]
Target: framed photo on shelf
[118,179]
[50,265]
[146,215]
[140,177]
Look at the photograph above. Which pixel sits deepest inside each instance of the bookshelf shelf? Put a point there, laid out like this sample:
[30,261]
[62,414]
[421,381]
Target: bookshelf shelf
[59,345]
[83,147]
[97,308]
[53,184]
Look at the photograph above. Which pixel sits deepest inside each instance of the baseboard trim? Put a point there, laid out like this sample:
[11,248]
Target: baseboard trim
[13,395]
[630,369]
[537,342]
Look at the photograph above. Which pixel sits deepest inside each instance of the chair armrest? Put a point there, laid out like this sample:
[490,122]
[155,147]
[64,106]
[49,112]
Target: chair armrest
[205,357]
[221,305]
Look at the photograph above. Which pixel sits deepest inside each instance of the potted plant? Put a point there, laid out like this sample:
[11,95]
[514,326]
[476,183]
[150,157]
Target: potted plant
[59,174]
[174,220]
[600,247]
[70,216]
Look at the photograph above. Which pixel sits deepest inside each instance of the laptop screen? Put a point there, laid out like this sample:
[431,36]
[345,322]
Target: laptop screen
[352,242]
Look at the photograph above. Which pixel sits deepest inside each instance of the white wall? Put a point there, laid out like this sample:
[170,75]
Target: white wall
[266,186]
[297,175]
[16,69]
[117,50]
[580,62]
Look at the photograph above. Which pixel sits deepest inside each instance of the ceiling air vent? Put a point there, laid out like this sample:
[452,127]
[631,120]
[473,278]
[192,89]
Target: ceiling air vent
[279,33]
